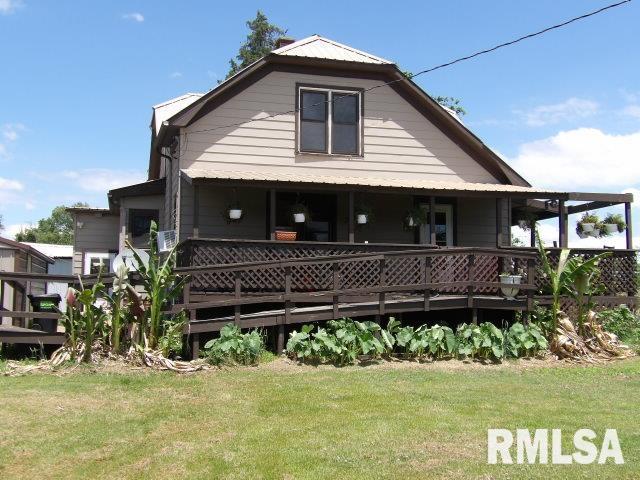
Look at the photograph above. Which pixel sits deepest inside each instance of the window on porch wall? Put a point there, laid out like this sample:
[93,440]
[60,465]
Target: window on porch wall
[443,226]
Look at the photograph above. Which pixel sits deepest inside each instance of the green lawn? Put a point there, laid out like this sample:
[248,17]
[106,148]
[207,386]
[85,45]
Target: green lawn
[285,421]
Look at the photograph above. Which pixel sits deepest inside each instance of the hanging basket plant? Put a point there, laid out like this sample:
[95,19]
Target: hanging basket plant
[526,221]
[363,214]
[613,223]
[415,217]
[589,225]
[300,213]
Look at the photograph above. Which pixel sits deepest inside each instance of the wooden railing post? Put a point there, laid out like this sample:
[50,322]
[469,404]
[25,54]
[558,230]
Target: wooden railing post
[336,286]
[237,275]
[287,310]
[472,277]
[427,279]
[383,281]
[531,280]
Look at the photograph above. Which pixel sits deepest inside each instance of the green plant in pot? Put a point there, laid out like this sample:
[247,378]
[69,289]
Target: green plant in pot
[364,214]
[415,217]
[613,223]
[510,279]
[300,213]
[589,225]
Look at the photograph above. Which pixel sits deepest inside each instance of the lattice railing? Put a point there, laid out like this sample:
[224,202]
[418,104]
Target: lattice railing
[617,270]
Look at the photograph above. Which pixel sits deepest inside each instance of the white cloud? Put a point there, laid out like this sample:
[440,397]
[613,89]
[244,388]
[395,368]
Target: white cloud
[632,111]
[102,179]
[8,184]
[8,7]
[580,159]
[11,131]
[571,109]
[134,17]
[175,75]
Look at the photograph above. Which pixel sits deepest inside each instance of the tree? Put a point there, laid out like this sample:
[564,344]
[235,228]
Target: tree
[57,229]
[260,41]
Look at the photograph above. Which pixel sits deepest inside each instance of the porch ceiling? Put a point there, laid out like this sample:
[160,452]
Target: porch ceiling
[341,182]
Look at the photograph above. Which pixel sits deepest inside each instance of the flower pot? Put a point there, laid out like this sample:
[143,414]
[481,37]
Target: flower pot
[523,224]
[588,227]
[594,233]
[286,236]
[299,217]
[361,219]
[410,222]
[235,213]
[582,234]
[611,227]
[508,289]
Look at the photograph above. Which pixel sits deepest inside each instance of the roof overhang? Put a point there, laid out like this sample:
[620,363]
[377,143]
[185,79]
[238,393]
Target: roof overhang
[151,187]
[13,245]
[378,185]
[429,108]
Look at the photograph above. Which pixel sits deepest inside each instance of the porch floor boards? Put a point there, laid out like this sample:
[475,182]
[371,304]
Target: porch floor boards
[356,309]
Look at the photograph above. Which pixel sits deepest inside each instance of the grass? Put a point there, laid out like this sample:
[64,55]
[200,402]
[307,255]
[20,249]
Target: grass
[285,421]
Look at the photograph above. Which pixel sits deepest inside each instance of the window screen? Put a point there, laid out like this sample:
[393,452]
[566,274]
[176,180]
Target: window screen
[313,121]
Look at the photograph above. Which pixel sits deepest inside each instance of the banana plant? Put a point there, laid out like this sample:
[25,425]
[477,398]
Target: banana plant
[160,282]
[572,276]
[118,302]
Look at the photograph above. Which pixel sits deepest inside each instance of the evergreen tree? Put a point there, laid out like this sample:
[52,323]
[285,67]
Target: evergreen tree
[260,41]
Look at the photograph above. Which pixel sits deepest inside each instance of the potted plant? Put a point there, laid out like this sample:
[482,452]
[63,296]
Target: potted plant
[364,214]
[300,213]
[526,220]
[588,223]
[415,217]
[510,278]
[614,223]
[234,212]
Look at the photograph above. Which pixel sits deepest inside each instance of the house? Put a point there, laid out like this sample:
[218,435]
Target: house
[341,132]
[20,257]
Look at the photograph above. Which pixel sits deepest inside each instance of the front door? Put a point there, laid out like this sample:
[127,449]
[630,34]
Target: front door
[443,226]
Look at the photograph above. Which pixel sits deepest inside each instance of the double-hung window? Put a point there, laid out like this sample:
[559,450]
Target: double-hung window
[329,121]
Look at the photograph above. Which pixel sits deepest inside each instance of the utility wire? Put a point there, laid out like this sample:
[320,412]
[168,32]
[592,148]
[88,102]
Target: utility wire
[428,70]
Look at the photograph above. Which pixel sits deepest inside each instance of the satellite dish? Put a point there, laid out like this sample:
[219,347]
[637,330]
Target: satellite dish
[126,258]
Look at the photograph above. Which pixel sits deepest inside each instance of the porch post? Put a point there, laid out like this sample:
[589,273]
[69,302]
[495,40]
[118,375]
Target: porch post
[432,220]
[196,211]
[499,208]
[352,227]
[627,219]
[272,214]
[532,233]
[562,225]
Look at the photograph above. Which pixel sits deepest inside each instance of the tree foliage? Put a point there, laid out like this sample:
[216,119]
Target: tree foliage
[56,229]
[260,41]
[452,103]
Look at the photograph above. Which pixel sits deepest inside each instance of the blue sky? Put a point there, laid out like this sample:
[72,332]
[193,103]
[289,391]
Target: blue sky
[79,78]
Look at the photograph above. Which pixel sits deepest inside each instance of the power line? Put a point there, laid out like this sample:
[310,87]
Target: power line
[428,70]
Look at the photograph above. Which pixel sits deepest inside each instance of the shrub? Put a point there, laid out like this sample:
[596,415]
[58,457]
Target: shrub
[233,346]
[622,322]
[484,341]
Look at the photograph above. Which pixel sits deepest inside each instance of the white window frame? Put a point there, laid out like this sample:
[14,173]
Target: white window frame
[88,256]
[329,92]
[425,231]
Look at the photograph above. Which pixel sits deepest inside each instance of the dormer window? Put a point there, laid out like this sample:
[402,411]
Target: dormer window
[329,121]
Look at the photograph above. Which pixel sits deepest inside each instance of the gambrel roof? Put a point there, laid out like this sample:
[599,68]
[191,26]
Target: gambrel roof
[320,56]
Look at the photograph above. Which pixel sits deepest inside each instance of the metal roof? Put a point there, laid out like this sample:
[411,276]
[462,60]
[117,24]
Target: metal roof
[316,46]
[416,184]
[51,250]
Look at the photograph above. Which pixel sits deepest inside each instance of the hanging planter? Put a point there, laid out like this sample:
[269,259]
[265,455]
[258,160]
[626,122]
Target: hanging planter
[614,223]
[415,217]
[300,213]
[589,225]
[364,214]
[234,213]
